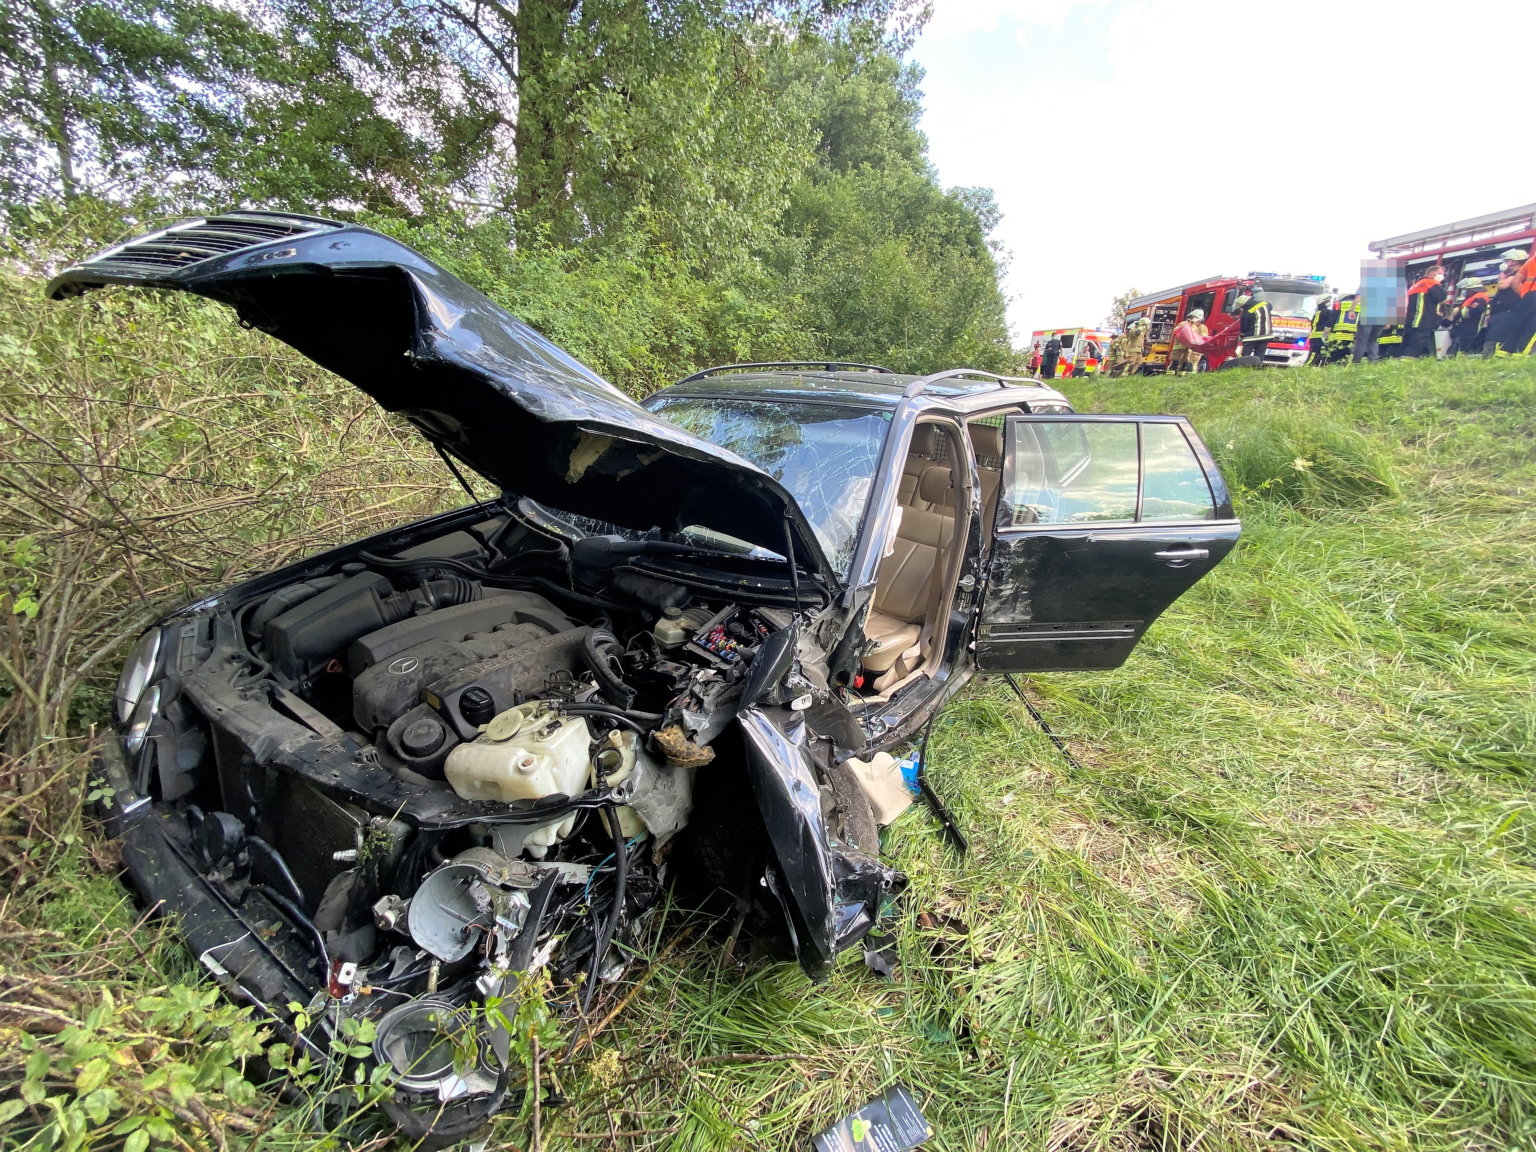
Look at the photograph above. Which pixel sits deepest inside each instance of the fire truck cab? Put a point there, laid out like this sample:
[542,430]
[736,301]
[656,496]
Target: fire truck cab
[1293,301]
[1083,350]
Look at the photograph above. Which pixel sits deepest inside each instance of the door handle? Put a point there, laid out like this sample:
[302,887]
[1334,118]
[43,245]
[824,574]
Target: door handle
[1180,557]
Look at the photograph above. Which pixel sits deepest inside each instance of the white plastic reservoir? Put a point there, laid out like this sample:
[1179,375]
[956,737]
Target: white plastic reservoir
[525,753]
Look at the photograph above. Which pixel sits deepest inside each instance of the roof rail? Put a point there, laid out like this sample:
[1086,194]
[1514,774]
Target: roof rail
[824,365]
[920,385]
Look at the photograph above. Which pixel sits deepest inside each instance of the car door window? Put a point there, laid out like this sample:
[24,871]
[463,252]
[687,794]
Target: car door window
[1174,486]
[1076,472]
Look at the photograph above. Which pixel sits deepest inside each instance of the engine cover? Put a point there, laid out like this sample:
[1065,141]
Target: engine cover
[392,665]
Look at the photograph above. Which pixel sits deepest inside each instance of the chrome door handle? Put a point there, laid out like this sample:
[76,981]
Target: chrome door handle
[1183,556]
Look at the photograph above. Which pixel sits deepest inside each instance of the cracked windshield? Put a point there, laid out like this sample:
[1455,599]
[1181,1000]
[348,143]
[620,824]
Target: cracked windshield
[825,454]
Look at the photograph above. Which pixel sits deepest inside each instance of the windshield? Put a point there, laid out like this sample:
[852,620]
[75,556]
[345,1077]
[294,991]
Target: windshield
[1283,303]
[824,454]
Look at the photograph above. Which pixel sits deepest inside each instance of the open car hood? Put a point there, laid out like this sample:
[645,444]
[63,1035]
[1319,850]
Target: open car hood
[477,382]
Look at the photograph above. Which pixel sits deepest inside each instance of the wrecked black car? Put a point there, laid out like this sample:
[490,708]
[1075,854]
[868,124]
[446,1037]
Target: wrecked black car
[388,780]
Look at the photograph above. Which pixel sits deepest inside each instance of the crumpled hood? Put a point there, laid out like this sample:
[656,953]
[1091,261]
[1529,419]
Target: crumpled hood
[476,381]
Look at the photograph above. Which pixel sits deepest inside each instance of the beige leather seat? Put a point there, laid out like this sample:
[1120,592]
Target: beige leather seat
[904,585]
[987,443]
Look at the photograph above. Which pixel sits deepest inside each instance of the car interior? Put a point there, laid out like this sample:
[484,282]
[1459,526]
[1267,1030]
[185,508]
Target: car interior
[919,571]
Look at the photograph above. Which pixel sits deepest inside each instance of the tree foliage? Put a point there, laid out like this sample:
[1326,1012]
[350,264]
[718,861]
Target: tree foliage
[1115,321]
[658,182]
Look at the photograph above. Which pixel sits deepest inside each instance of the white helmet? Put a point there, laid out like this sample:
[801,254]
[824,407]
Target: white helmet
[1196,314]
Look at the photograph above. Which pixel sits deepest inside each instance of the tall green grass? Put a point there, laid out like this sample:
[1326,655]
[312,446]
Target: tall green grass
[1282,899]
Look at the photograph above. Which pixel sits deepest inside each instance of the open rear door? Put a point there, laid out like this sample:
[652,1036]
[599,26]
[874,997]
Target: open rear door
[1102,522]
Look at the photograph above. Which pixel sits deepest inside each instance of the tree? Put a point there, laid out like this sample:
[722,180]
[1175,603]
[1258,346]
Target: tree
[1115,321]
[171,104]
[93,96]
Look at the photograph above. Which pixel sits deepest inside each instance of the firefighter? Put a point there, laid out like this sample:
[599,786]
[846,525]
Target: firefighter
[1424,300]
[1341,337]
[1189,337]
[1505,307]
[1049,355]
[1391,341]
[1525,337]
[1470,319]
[1323,321]
[1135,348]
[1256,322]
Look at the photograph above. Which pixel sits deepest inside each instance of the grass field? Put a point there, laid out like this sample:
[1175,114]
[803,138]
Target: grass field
[1280,896]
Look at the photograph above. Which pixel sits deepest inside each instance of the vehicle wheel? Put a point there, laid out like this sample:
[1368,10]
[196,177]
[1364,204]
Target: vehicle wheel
[1201,365]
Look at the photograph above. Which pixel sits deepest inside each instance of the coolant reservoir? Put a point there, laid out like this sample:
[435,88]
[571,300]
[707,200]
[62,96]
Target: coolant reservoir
[524,753]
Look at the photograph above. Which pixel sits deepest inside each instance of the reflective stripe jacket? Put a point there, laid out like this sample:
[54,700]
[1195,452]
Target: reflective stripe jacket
[1424,300]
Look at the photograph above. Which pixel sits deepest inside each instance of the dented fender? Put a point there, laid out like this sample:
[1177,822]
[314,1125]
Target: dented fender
[831,892]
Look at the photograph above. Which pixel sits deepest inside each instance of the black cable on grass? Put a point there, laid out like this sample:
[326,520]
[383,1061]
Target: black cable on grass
[610,926]
[951,830]
[1040,720]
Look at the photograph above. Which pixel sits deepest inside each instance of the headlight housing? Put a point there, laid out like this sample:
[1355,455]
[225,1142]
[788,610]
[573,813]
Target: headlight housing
[139,670]
[143,716]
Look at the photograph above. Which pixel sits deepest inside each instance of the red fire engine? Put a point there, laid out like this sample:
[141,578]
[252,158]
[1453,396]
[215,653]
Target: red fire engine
[1293,301]
[1465,247]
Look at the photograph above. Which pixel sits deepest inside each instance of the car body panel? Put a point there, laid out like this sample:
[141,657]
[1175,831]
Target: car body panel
[475,381]
[1067,595]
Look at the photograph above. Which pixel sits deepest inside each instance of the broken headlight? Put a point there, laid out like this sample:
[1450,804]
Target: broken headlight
[138,671]
[144,713]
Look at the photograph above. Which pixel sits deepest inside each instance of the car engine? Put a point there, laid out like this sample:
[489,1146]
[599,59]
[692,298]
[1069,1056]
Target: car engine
[431,768]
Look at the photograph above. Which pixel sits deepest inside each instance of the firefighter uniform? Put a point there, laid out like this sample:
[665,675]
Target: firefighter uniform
[1470,321]
[1323,321]
[1424,300]
[1133,351]
[1504,312]
[1257,324]
[1391,341]
[1341,338]
[1525,334]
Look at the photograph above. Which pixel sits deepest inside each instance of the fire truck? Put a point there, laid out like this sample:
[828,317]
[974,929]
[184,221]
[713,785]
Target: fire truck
[1293,301]
[1464,248]
[1082,349]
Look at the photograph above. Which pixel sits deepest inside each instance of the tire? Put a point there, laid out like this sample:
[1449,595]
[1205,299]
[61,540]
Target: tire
[1201,365]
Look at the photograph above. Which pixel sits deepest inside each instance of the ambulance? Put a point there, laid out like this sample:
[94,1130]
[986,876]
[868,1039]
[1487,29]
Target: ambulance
[1083,350]
[1293,301]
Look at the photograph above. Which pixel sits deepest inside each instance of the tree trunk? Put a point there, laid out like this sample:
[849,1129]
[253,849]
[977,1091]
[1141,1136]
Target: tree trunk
[54,104]
[542,141]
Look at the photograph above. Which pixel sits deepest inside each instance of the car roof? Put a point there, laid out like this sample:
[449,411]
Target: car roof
[963,389]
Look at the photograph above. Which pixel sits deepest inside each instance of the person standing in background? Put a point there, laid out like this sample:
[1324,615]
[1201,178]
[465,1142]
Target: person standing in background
[1323,320]
[1424,300]
[1256,322]
[1381,303]
[1469,319]
[1525,329]
[1189,338]
[1049,355]
[1505,307]
[1341,337]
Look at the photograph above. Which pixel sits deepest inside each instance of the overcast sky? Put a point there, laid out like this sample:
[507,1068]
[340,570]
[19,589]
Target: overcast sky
[1146,143]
